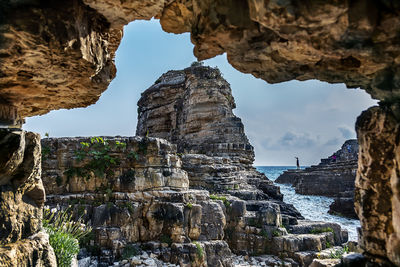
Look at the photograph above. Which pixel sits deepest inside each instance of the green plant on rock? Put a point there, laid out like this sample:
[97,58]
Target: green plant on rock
[64,234]
[65,246]
[337,254]
[189,205]
[45,152]
[321,230]
[200,252]
[276,233]
[130,250]
[328,244]
[166,239]
[265,233]
[99,160]
[226,202]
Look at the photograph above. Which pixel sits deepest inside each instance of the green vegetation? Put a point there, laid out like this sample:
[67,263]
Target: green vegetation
[189,205]
[45,152]
[99,161]
[64,234]
[266,235]
[130,250]
[236,187]
[65,246]
[276,233]
[200,252]
[321,230]
[328,244]
[337,254]
[223,198]
[166,239]
[254,222]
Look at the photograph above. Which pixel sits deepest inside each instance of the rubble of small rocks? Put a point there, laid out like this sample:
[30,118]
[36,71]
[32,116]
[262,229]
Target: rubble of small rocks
[333,177]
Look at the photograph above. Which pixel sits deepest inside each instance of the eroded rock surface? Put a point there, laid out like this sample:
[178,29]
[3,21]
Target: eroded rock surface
[21,201]
[53,55]
[377,195]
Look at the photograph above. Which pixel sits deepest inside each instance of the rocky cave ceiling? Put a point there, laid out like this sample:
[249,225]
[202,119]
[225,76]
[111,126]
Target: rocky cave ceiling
[59,54]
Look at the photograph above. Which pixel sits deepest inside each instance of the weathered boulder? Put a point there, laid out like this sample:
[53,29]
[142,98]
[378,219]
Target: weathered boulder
[21,200]
[343,206]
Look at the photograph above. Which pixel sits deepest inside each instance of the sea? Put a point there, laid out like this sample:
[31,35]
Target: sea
[311,207]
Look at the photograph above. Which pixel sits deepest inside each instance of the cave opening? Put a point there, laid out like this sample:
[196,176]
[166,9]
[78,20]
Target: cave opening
[309,119]
[353,42]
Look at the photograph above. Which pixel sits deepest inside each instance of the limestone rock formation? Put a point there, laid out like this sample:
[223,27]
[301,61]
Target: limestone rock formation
[135,203]
[193,108]
[21,200]
[277,41]
[143,197]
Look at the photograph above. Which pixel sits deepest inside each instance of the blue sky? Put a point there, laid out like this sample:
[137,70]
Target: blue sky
[308,119]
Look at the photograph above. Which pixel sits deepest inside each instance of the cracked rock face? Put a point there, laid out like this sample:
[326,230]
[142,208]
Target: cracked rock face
[52,56]
[335,41]
[21,201]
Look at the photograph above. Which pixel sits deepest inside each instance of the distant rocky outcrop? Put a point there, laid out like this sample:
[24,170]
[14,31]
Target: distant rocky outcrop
[333,177]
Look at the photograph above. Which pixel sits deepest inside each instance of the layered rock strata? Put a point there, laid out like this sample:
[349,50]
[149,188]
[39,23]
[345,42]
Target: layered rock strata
[333,177]
[144,200]
[22,243]
[194,109]
[142,197]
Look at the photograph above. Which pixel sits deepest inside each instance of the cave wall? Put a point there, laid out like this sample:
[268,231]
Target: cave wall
[59,54]
[22,195]
[377,194]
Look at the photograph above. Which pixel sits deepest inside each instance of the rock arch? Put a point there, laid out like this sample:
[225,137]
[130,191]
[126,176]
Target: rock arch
[354,42]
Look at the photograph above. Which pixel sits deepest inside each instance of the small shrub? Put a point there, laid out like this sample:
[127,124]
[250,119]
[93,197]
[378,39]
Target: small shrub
[338,254]
[223,198]
[166,239]
[321,230]
[45,152]
[265,233]
[200,252]
[276,233]
[328,244]
[189,205]
[64,234]
[236,186]
[65,246]
[129,251]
